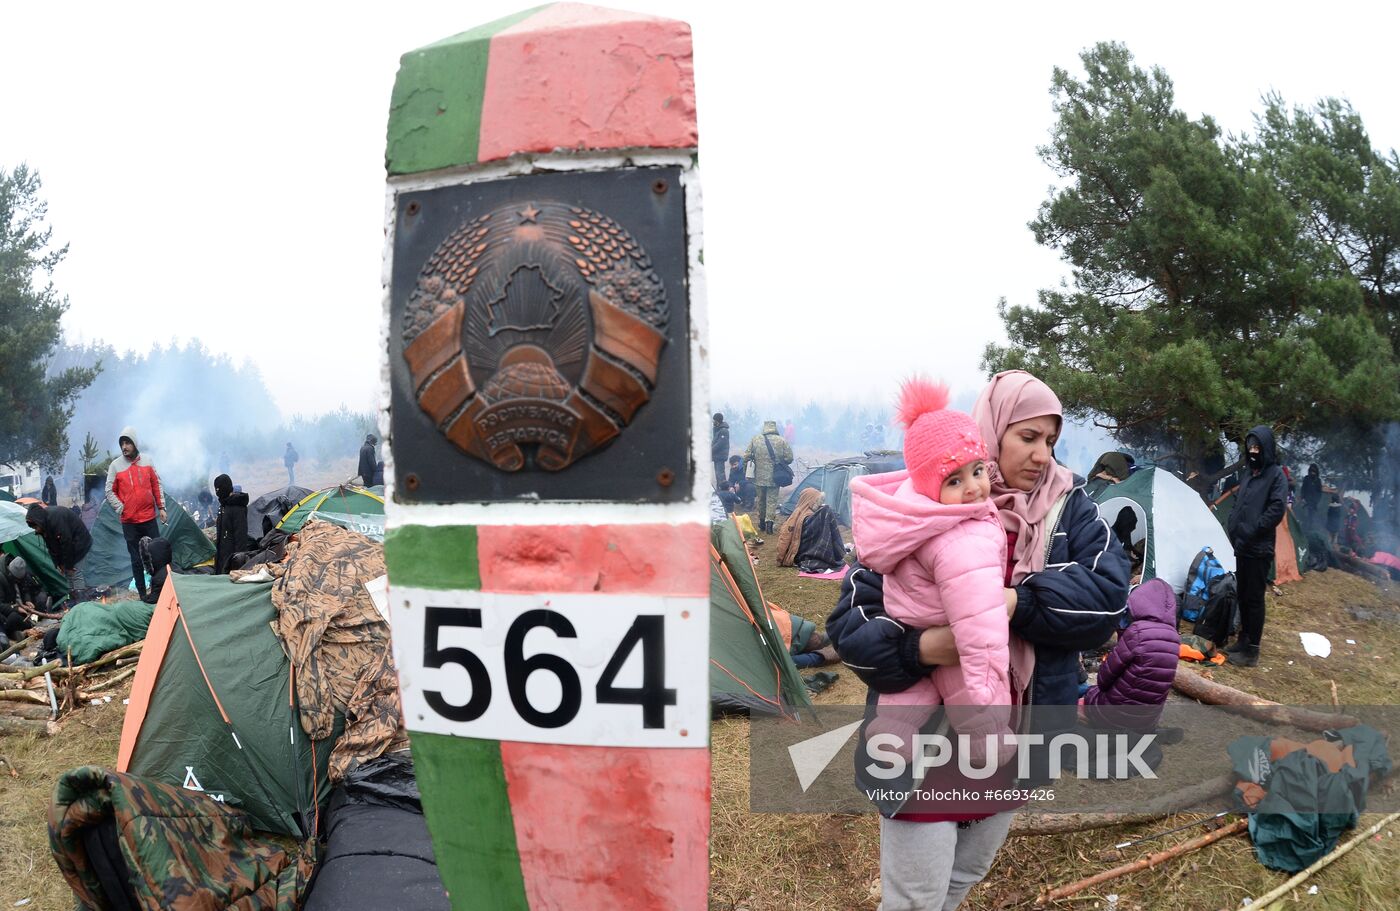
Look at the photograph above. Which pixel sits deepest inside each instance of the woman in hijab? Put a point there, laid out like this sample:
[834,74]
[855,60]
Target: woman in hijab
[1066,586]
[790,535]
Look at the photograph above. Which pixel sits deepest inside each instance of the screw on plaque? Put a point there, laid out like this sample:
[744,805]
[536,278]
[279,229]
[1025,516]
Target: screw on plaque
[665,477]
[659,186]
[411,482]
[411,209]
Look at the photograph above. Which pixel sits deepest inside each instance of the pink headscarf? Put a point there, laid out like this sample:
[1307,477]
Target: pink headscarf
[1012,396]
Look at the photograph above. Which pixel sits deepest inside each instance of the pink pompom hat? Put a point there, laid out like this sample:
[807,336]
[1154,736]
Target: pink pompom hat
[937,441]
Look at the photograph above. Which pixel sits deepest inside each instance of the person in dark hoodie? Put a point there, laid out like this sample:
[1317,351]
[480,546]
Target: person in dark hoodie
[719,447]
[367,460]
[1260,503]
[50,492]
[1312,498]
[66,537]
[231,534]
[155,559]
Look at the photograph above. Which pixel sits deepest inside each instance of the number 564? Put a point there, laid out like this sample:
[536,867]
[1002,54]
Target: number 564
[647,631]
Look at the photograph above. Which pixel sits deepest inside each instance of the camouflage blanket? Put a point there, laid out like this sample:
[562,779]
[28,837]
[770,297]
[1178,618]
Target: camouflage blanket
[338,642]
[167,847]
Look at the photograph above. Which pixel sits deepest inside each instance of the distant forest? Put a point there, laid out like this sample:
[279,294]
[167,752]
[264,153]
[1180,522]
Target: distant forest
[196,408]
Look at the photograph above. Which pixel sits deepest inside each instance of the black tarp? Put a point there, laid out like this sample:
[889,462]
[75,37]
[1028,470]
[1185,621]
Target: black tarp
[274,503]
[378,852]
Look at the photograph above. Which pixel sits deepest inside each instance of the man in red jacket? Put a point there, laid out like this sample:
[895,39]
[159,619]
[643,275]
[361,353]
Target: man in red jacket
[133,489]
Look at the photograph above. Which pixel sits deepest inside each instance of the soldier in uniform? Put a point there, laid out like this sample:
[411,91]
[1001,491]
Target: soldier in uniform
[768,450]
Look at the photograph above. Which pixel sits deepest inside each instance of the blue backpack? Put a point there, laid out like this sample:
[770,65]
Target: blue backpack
[1205,581]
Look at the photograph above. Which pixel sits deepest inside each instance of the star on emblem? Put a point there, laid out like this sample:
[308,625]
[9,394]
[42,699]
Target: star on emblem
[529,213]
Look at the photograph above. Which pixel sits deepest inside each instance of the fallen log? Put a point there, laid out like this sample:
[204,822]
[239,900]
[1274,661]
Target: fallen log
[1265,901]
[1036,824]
[1144,863]
[112,681]
[25,710]
[1195,796]
[23,696]
[29,673]
[1359,567]
[116,656]
[1189,683]
[14,648]
[20,726]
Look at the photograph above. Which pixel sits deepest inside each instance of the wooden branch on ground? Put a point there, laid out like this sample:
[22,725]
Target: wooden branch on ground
[19,726]
[113,657]
[1144,863]
[1032,824]
[112,681]
[1265,902]
[1359,567]
[1189,683]
[25,710]
[14,648]
[23,696]
[29,673]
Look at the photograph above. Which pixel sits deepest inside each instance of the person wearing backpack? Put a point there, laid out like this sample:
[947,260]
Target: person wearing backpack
[771,457]
[1260,503]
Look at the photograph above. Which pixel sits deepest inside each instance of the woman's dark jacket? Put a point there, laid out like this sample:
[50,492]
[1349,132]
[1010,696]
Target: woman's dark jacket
[1260,502]
[232,530]
[1072,605]
[821,548]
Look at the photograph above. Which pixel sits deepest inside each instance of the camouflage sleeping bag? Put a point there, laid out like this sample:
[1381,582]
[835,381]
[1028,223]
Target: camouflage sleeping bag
[123,842]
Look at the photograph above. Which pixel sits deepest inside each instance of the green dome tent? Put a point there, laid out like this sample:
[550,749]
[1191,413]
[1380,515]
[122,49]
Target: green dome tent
[1172,519]
[834,481]
[108,563]
[751,668]
[355,508]
[18,540]
[213,710]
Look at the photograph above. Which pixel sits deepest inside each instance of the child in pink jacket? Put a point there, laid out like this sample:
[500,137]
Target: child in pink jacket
[933,532]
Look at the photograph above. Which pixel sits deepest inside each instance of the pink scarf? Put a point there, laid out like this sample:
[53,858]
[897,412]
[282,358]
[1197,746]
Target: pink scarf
[1012,396]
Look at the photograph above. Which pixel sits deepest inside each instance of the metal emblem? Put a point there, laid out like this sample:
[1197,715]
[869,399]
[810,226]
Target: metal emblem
[558,348]
[534,330]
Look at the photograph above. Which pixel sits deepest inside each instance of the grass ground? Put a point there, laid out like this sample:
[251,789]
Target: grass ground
[773,862]
[768,862]
[89,736]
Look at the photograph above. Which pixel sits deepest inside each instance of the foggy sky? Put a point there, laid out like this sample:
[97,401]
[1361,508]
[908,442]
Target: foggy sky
[868,172]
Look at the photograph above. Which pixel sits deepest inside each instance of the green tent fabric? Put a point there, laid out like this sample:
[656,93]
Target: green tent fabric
[108,563]
[1173,524]
[214,711]
[356,508]
[92,629]
[18,540]
[6,496]
[1307,807]
[750,666]
[834,481]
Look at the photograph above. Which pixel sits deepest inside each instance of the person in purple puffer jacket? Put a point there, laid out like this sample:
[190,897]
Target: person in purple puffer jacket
[1134,679]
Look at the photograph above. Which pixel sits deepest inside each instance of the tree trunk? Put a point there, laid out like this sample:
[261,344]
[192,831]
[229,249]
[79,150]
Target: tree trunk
[25,710]
[20,726]
[1190,798]
[1189,683]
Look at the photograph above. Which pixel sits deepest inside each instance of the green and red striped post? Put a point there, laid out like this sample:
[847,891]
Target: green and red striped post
[552,648]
